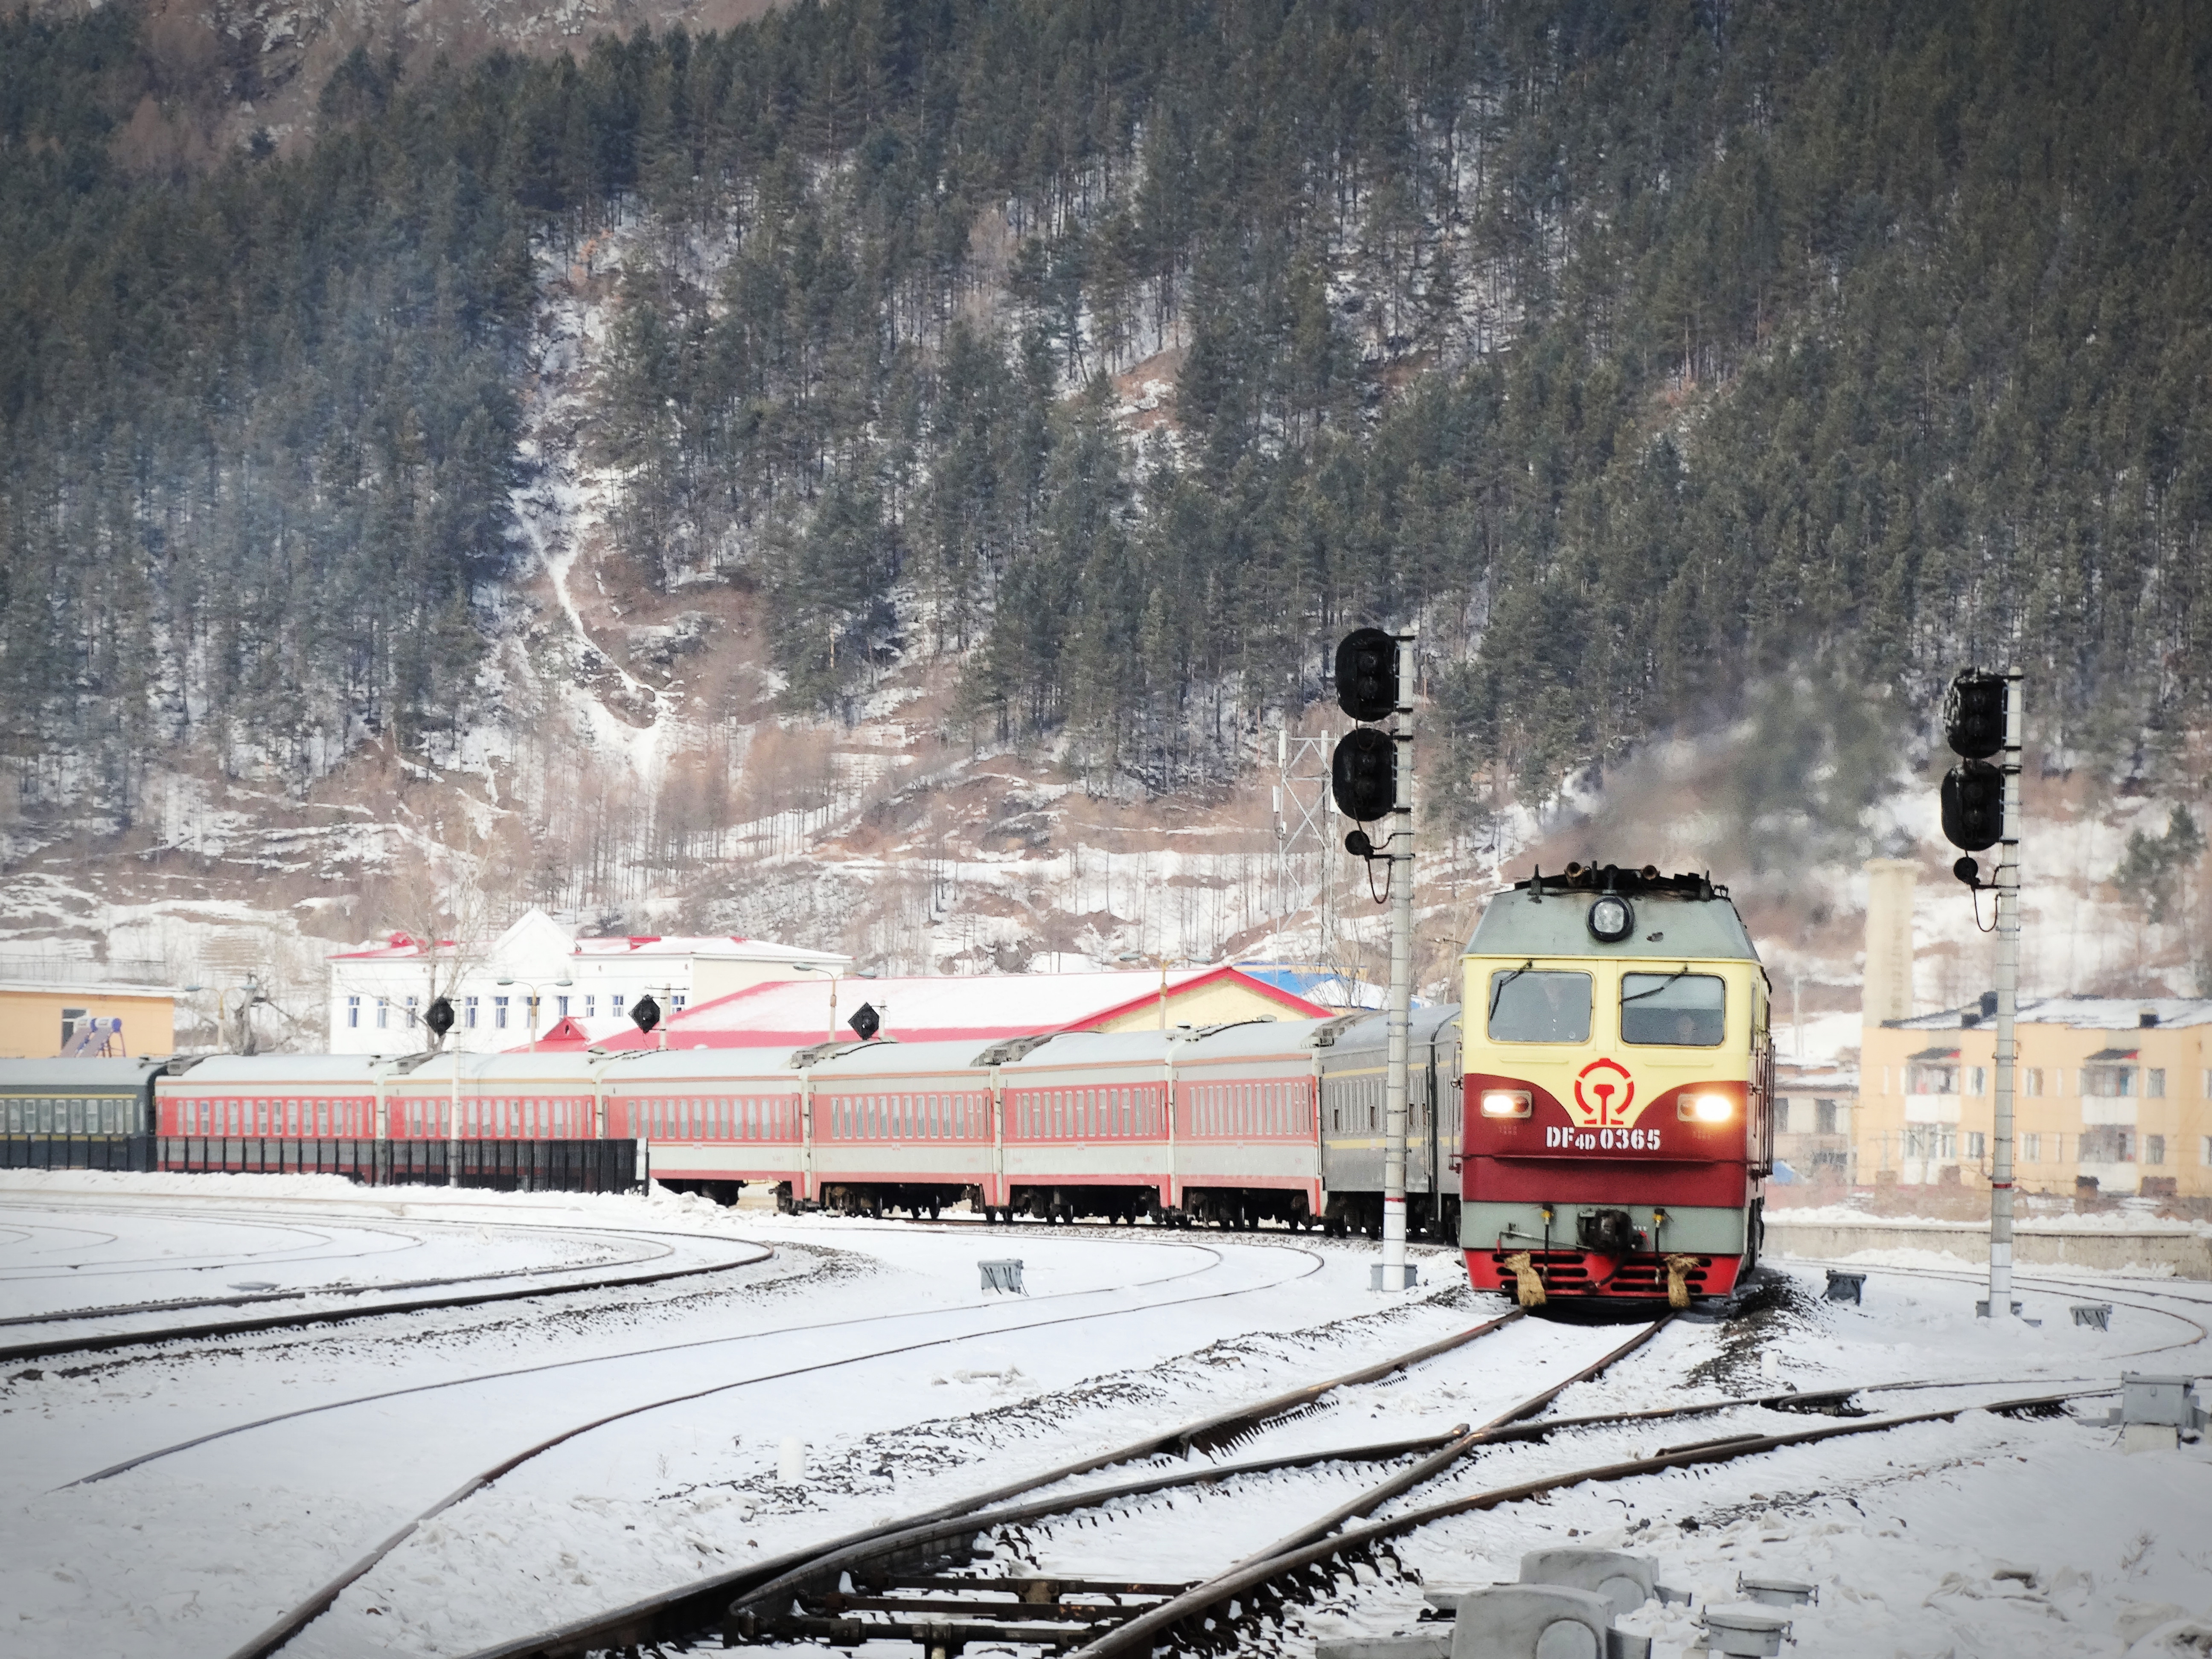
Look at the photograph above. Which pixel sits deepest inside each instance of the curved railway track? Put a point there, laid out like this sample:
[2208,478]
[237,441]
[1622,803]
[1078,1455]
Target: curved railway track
[912,1580]
[279,1633]
[677,1613]
[743,1253]
[2130,1293]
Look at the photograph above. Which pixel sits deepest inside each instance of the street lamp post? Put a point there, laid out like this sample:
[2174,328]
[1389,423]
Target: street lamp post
[1163,963]
[558,984]
[250,993]
[834,974]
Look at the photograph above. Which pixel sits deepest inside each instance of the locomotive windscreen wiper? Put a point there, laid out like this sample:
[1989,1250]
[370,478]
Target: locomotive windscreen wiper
[1679,973]
[1498,985]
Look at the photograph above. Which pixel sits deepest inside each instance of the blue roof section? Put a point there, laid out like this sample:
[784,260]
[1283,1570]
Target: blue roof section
[1317,983]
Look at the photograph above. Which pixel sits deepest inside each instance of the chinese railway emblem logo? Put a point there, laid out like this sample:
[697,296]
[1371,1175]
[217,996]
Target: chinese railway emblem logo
[1603,1092]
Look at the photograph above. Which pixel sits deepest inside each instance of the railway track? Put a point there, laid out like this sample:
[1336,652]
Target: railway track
[2129,1294]
[678,1614]
[920,1580]
[731,1255]
[296,1619]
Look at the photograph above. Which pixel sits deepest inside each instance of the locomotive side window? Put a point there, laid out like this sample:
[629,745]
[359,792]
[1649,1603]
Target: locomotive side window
[1526,1005]
[1688,1011]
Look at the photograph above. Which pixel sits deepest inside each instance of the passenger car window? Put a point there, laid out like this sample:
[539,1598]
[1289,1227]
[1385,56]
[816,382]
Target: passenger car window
[1686,1011]
[1530,1007]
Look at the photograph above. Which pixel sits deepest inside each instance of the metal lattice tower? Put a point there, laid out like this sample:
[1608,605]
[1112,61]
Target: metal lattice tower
[1304,838]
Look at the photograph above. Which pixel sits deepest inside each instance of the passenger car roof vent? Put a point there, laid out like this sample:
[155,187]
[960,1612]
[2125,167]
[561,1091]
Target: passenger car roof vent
[1013,1049]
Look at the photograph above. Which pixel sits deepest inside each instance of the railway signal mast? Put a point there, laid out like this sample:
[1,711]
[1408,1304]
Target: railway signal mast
[1371,776]
[1982,718]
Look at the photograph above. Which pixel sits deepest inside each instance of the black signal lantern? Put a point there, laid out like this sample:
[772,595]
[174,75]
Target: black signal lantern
[1973,806]
[439,1016]
[865,1022]
[1364,774]
[1974,716]
[1367,674]
[645,1014]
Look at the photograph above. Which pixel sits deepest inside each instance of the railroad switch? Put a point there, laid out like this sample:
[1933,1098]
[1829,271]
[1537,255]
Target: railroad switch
[1565,1603]
[1626,1581]
[1776,1592]
[2156,1412]
[1752,1632]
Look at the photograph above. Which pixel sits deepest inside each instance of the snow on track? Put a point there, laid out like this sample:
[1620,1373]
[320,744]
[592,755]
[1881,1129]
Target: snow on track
[243,1527]
[192,1553]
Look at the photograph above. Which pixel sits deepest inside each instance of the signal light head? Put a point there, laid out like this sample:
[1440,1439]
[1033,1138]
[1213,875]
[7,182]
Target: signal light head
[1707,1108]
[1974,713]
[1367,674]
[1506,1102]
[1973,806]
[1364,774]
[1611,919]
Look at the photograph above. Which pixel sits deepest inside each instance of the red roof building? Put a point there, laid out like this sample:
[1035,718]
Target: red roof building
[983,1008]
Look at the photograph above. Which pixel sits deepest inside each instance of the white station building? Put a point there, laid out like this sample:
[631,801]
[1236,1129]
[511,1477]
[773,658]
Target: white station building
[377,994]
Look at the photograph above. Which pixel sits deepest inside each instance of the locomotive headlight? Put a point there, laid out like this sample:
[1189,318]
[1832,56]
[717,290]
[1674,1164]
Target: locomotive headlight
[1611,919]
[1708,1109]
[1506,1102]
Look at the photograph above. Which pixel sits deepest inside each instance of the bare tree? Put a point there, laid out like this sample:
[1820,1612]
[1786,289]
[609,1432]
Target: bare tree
[450,922]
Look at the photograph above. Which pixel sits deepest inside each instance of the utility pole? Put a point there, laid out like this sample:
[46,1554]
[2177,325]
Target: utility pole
[1395,1274]
[2008,885]
[1984,716]
[1372,778]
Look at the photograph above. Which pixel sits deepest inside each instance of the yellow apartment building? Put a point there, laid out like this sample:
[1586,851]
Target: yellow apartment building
[40,1021]
[2109,1090]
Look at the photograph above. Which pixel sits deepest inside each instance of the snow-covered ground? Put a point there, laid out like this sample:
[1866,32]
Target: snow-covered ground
[274,1461]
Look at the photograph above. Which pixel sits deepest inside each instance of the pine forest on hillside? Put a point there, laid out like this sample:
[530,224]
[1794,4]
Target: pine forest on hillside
[1642,353]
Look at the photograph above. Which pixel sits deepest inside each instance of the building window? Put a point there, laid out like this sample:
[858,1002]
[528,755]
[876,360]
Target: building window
[2108,1083]
[410,1014]
[614,1003]
[2153,1149]
[591,1007]
[2108,1143]
[469,1013]
[353,1011]
[1977,1081]
[499,1012]
[383,1014]
[677,1000]
[2032,1081]
[1977,1144]
[2031,1149]
[1824,1118]
[1935,1080]
[2154,1082]
[563,1004]
[2204,1149]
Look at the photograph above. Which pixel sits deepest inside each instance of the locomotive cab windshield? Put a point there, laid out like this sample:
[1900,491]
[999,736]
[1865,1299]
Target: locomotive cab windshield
[1617,1060]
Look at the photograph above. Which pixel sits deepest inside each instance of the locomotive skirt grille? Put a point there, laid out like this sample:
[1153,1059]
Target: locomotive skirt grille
[1575,1273]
